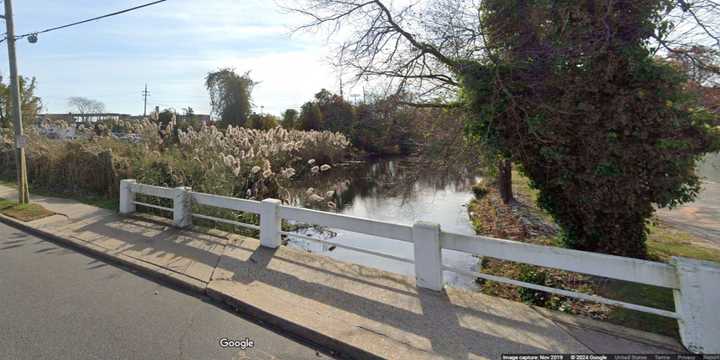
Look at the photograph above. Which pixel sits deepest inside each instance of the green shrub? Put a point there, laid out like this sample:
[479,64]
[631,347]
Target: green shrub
[533,275]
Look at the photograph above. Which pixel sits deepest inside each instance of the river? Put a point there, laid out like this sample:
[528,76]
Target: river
[394,190]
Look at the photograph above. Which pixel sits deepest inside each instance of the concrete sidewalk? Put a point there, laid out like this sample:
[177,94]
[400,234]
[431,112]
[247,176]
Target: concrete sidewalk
[358,311]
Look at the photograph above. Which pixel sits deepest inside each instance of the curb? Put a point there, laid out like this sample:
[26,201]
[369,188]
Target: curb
[153,271]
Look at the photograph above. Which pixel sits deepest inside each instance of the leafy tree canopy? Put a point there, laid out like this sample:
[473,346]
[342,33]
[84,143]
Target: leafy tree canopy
[337,113]
[290,118]
[31,104]
[261,121]
[311,117]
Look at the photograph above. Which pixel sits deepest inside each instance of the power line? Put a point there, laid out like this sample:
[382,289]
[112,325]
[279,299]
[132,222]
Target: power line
[88,20]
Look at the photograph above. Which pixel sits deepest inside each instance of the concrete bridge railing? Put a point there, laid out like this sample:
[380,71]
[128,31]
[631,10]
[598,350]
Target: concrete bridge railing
[695,283]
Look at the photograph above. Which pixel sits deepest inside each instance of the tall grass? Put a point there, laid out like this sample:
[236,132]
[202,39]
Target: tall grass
[236,162]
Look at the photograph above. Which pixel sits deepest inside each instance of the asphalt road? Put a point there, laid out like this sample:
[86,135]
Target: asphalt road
[58,304]
[701,217]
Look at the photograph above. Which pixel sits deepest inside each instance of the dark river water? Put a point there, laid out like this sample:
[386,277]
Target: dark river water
[394,190]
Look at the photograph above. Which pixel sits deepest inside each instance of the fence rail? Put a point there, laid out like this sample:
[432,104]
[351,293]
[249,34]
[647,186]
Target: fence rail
[349,223]
[226,202]
[614,267]
[348,247]
[695,284]
[152,190]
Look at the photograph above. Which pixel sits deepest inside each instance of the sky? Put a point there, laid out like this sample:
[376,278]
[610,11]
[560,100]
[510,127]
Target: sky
[171,47]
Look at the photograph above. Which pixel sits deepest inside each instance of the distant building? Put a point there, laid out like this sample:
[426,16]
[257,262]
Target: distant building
[76,119]
[203,118]
[82,118]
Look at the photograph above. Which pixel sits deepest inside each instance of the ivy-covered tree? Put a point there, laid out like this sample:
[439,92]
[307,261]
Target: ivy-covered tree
[230,96]
[603,129]
[572,91]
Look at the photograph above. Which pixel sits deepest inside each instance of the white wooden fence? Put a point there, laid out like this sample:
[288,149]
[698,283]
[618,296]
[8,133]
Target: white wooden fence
[695,284]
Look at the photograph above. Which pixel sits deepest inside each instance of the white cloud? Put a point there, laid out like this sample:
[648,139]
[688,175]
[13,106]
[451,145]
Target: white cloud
[171,47]
[287,78]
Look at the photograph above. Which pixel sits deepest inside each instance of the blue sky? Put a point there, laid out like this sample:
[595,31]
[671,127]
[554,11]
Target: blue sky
[171,47]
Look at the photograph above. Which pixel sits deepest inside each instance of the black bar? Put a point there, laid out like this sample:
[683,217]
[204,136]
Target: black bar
[610,356]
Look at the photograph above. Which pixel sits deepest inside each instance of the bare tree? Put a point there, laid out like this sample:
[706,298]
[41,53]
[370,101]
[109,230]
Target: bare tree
[691,35]
[417,49]
[414,47]
[419,46]
[700,63]
[85,107]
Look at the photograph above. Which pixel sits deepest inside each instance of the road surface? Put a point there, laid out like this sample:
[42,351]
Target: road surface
[701,217]
[58,304]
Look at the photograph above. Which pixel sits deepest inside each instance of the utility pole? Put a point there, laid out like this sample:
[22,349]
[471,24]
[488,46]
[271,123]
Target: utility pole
[145,95]
[20,140]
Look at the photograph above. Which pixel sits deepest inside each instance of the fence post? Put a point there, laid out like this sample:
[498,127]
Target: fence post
[127,197]
[428,255]
[270,223]
[697,303]
[182,207]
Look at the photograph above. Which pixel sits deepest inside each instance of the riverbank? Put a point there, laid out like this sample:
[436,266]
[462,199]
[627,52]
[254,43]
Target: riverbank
[524,221]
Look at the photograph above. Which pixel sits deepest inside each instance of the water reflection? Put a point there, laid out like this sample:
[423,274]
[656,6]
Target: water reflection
[395,190]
